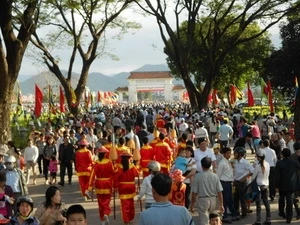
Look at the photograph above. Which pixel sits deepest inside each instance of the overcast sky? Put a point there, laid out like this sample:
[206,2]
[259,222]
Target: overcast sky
[134,51]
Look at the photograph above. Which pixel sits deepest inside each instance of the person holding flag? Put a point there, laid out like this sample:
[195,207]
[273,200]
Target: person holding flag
[102,178]
[125,177]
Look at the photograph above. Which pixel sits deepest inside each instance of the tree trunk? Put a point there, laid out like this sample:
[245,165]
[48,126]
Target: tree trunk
[5,109]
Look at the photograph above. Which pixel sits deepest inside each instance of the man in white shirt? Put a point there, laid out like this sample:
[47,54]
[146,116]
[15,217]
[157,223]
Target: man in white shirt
[91,139]
[31,154]
[204,151]
[242,170]
[225,174]
[271,158]
[225,133]
[183,126]
[289,142]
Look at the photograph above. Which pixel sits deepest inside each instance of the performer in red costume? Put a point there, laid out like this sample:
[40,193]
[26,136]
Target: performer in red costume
[101,176]
[121,147]
[125,183]
[163,154]
[83,166]
[147,155]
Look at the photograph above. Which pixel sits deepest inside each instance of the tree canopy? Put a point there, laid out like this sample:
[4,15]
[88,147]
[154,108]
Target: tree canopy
[283,68]
[224,25]
[240,65]
[79,26]
[13,44]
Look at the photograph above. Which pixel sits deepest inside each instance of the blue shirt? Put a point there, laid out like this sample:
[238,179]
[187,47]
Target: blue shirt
[181,163]
[162,213]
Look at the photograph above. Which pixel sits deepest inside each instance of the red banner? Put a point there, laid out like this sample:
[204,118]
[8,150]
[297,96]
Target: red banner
[38,101]
[61,100]
[250,97]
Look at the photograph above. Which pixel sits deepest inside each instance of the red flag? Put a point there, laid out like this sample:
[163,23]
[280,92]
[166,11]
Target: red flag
[250,96]
[232,96]
[209,98]
[38,101]
[99,97]
[215,97]
[61,100]
[270,97]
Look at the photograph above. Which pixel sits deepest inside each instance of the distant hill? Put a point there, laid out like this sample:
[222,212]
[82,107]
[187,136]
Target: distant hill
[96,81]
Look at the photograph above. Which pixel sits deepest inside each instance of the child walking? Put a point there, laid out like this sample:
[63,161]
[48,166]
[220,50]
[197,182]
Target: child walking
[53,169]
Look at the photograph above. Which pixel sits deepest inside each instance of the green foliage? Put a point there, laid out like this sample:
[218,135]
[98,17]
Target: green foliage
[239,65]
[283,65]
[223,27]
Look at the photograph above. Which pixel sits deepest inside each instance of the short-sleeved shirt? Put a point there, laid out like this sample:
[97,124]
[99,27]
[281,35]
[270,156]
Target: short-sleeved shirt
[206,184]
[241,168]
[199,155]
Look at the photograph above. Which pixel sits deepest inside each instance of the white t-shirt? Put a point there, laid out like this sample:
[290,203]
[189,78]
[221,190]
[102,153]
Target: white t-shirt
[199,155]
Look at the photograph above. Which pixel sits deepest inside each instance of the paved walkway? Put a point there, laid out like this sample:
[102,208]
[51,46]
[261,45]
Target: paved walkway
[71,195]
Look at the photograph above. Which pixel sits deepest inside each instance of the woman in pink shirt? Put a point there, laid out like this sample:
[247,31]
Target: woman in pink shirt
[255,131]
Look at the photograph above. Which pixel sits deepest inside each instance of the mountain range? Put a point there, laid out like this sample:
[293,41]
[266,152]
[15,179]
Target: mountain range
[96,81]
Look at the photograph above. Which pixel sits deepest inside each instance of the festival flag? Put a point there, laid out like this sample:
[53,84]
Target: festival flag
[99,97]
[264,87]
[92,99]
[215,97]
[73,98]
[19,110]
[250,96]
[105,96]
[209,98]
[61,100]
[296,87]
[234,94]
[38,101]
[87,99]
[185,96]
[270,97]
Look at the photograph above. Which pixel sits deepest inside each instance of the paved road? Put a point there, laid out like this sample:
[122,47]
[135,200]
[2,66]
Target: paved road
[71,195]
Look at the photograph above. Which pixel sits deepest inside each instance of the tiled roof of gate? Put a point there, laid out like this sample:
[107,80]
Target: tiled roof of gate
[122,89]
[150,75]
[178,87]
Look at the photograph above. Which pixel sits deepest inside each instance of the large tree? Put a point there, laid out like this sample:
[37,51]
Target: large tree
[217,41]
[23,15]
[283,65]
[79,26]
[239,66]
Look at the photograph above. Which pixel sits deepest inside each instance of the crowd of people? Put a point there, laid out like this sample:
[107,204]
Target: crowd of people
[175,159]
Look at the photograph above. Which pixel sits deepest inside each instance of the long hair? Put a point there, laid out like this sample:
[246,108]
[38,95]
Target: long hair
[261,160]
[125,163]
[50,192]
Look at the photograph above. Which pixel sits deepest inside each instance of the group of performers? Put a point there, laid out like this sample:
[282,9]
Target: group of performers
[116,169]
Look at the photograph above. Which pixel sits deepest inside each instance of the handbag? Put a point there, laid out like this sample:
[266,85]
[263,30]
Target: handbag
[252,191]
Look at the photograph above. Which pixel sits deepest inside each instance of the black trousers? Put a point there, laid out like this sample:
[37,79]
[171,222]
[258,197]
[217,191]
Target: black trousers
[286,203]
[63,167]
[272,189]
[240,197]
[39,161]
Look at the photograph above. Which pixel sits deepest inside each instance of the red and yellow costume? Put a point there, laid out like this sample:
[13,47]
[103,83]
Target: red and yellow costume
[163,155]
[181,144]
[147,154]
[127,191]
[108,146]
[160,123]
[120,150]
[83,167]
[177,194]
[102,177]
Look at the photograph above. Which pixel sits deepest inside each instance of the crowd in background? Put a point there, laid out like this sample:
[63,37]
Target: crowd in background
[194,148]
